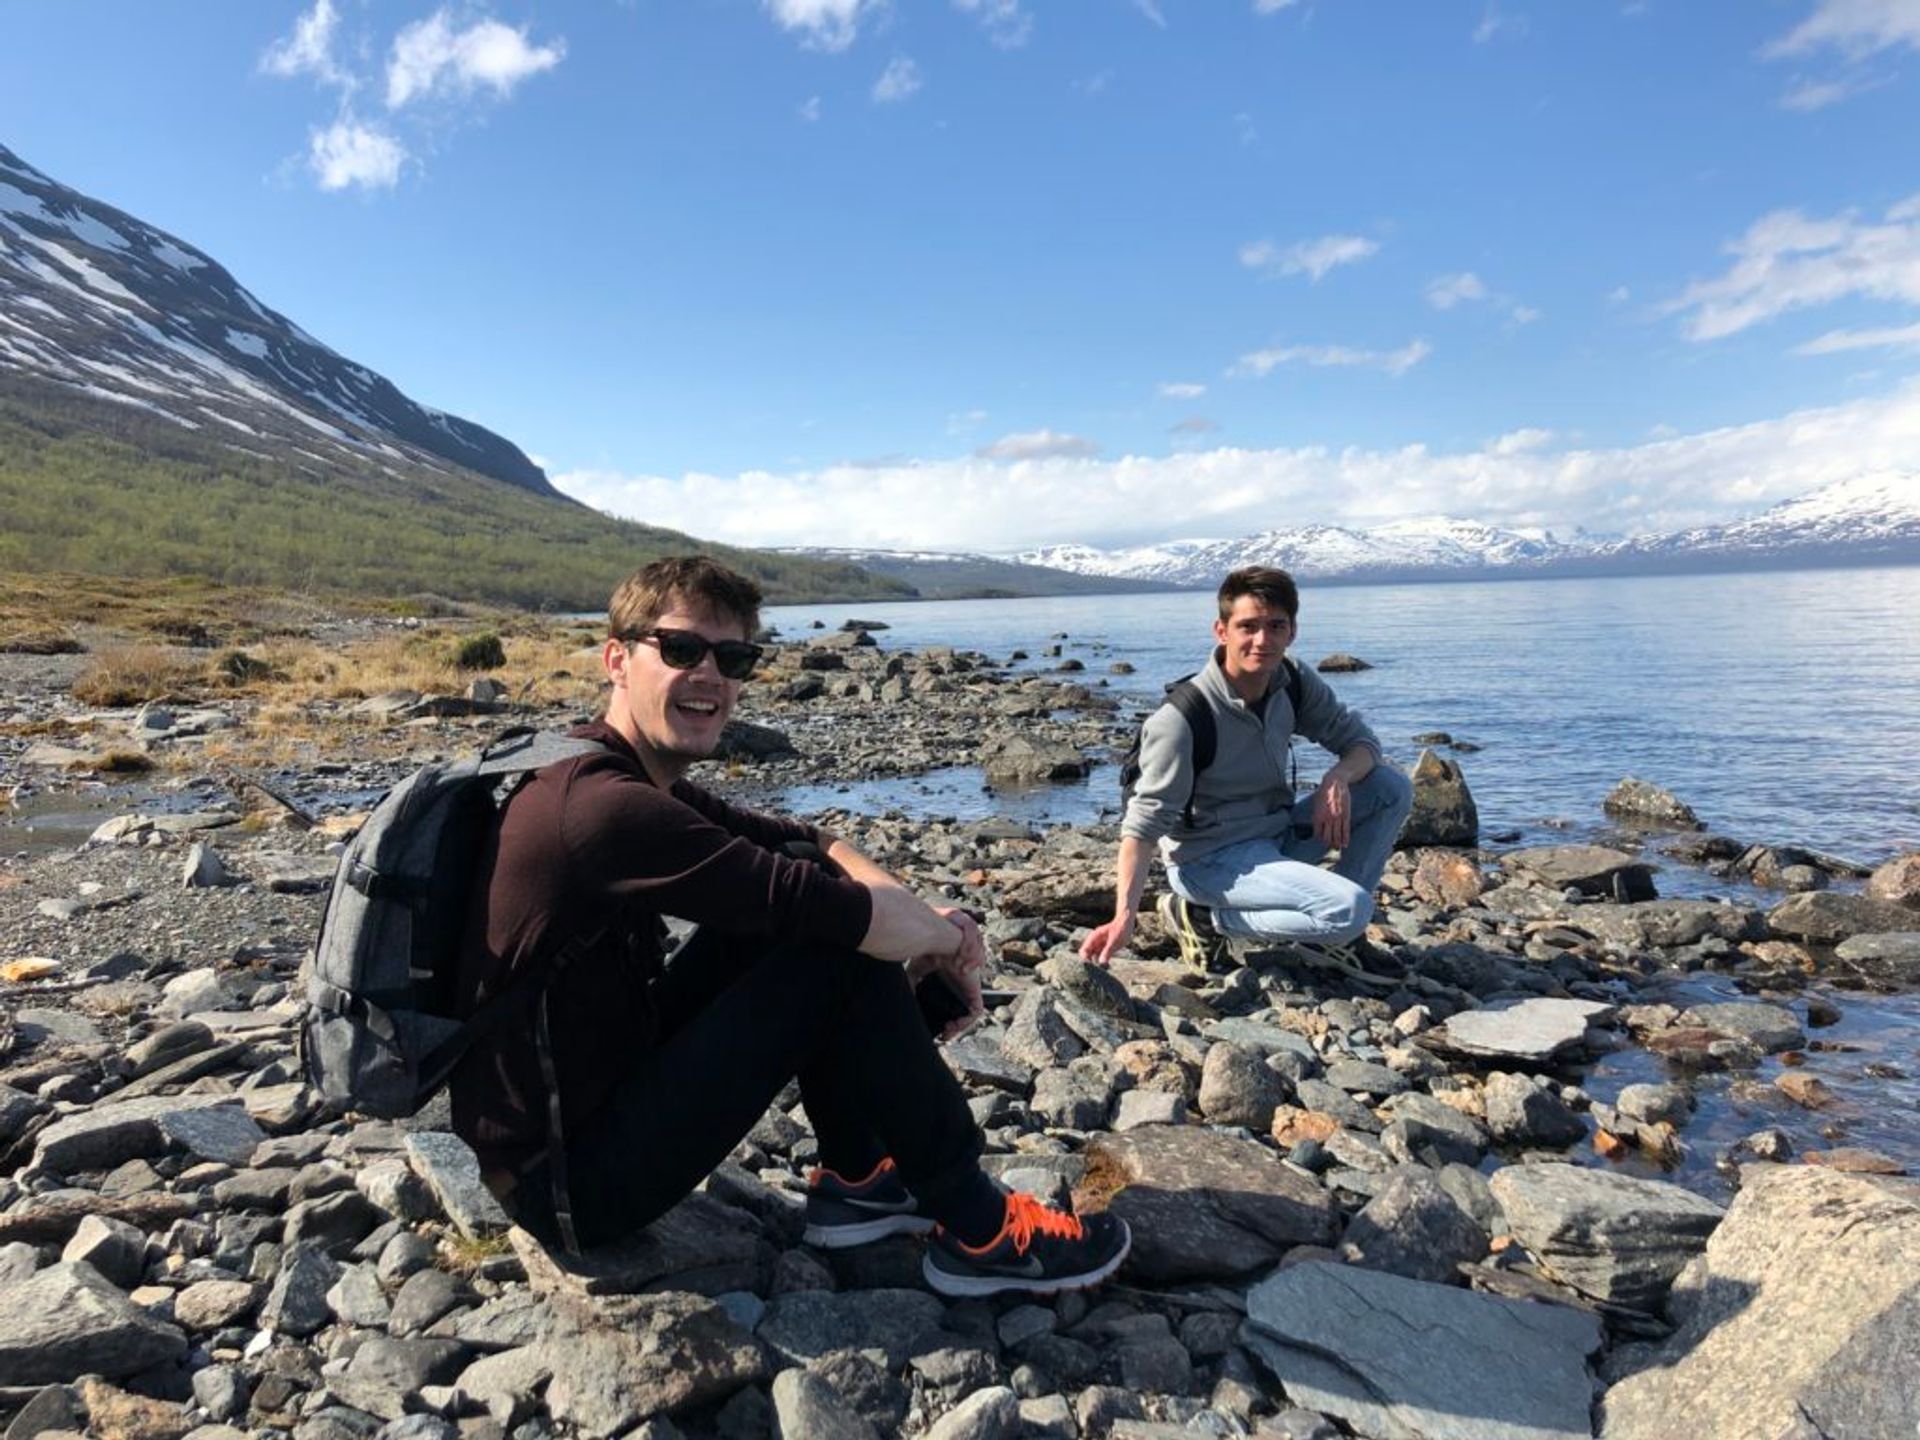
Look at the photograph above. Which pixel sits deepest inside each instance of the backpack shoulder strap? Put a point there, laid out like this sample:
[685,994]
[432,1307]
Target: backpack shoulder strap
[523,749]
[1295,686]
[1185,697]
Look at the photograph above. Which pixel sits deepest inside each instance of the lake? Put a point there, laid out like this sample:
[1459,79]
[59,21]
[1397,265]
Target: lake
[1784,707]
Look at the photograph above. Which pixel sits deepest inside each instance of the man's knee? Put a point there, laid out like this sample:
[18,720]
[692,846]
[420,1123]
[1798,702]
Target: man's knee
[1349,920]
[1389,788]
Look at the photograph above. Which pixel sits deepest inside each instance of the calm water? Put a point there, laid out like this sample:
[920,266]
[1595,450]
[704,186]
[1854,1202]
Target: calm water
[1785,707]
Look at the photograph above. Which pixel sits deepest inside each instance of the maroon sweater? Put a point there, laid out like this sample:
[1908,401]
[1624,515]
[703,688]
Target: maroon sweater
[592,847]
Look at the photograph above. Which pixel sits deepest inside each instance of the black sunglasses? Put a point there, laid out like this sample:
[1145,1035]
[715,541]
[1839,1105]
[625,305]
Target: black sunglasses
[684,650]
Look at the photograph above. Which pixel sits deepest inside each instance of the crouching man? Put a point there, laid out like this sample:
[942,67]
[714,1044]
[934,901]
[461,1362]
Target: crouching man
[1242,852]
[635,1075]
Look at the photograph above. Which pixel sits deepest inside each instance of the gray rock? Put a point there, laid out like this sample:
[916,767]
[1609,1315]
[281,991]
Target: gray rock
[990,1414]
[655,1355]
[1075,1097]
[702,1245]
[1204,1205]
[1149,1107]
[357,1299]
[1825,918]
[1026,760]
[299,874]
[808,1323]
[1590,869]
[1648,804]
[1443,809]
[204,869]
[452,1173]
[1267,1040]
[110,1134]
[334,1223]
[1332,1100]
[1363,1077]
[1802,1321]
[806,1407]
[505,1384]
[1533,1030]
[167,1044]
[424,1297]
[873,1392]
[1037,1035]
[1667,924]
[981,1059]
[1238,1088]
[196,990]
[1614,1237]
[1483,1368]
[17,1110]
[1654,1104]
[1089,986]
[1771,1027]
[1413,1227]
[297,1303]
[385,1374]
[1886,959]
[69,1320]
[221,1391]
[1525,1110]
[113,1247]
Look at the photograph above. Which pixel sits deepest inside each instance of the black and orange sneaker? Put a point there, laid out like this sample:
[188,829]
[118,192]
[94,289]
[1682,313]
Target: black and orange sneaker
[843,1212]
[1038,1251]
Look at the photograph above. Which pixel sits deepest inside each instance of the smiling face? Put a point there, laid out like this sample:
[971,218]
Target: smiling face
[672,717]
[1253,641]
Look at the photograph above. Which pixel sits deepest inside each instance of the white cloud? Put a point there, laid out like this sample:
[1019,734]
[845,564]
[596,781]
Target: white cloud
[1834,342]
[347,153]
[830,25]
[309,49]
[1787,261]
[1244,127]
[962,421]
[809,109]
[1856,28]
[976,504]
[1181,390]
[1038,445]
[1493,23]
[1520,442]
[1312,258]
[434,55]
[1451,290]
[1809,95]
[1151,9]
[1006,24]
[897,82]
[1096,84]
[1272,7]
[1194,425]
[1395,362]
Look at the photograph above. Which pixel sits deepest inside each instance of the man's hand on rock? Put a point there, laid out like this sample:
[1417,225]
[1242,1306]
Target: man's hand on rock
[1105,940]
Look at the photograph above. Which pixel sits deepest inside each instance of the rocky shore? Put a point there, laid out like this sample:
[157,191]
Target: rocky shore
[1402,1210]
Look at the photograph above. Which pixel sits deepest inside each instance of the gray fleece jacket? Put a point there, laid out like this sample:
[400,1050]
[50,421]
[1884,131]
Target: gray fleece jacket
[1244,794]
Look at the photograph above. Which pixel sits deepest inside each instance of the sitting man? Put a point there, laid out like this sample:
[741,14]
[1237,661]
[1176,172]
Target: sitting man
[1241,850]
[634,1075]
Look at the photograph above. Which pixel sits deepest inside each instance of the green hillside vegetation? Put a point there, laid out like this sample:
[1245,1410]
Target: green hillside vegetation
[97,487]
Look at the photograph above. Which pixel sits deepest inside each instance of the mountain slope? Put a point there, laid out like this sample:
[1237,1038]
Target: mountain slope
[94,298]
[157,419]
[939,576]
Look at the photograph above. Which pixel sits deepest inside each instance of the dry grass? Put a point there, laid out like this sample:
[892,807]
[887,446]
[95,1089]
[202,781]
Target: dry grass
[47,640]
[134,674]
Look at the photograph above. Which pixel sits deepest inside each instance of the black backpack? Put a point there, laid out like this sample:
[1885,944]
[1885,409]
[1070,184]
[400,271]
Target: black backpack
[1185,697]
[379,1033]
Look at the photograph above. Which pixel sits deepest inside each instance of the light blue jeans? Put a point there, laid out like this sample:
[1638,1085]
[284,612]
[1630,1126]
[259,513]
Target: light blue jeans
[1274,889]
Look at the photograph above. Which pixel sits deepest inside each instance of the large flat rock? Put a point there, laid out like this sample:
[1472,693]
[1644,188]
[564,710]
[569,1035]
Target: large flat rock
[1826,918]
[1533,1030]
[69,1320]
[1668,923]
[1590,869]
[1614,1237]
[645,1356]
[1401,1359]
[1887,959]
[1206,1206]
[1805,1322]
[702,1245]
[214,1127]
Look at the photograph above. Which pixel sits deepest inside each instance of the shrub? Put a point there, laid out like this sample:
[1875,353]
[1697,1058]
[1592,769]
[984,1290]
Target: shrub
[480,652]
[133,675]
[237,667]
[40,642]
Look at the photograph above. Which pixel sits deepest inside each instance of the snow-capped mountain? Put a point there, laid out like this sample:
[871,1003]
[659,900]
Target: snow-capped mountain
[95,300]
[1857,521]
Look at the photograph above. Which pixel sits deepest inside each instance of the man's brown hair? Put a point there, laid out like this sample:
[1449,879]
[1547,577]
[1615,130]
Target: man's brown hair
[1270,587]
[694,580]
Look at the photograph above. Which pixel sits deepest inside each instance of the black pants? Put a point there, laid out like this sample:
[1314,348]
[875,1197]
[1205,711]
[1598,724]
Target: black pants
[739,1018]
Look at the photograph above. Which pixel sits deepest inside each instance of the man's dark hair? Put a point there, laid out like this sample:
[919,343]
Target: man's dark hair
[694,580]
[1274,588]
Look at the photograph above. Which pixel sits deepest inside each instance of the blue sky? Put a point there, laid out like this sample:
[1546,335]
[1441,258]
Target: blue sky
[991,273]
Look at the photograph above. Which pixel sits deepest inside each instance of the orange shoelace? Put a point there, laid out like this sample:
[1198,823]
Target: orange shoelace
[1026,1215]
[820,1172]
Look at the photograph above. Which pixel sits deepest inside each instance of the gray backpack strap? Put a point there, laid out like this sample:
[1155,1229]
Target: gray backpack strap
[524,749]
